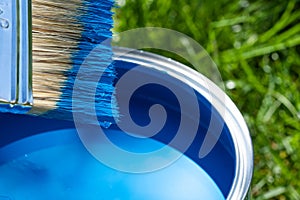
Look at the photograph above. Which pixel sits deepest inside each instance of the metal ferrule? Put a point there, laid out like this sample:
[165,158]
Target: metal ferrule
[15,53]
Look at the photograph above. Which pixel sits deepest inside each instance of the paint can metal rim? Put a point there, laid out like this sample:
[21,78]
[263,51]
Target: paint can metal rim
[217,97]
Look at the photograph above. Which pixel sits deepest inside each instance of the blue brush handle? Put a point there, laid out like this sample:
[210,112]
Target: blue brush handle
[15,54]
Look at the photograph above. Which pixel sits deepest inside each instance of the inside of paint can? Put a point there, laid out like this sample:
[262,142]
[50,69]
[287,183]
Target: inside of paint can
[219,164]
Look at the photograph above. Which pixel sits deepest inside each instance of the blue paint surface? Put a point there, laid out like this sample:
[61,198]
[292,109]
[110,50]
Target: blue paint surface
[63,169]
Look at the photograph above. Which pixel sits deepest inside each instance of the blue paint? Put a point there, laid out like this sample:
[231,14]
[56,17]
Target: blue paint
[63,169]
[96,20]
[16,109]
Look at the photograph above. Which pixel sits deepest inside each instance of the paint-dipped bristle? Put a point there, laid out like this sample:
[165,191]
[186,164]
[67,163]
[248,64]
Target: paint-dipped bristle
[63,35]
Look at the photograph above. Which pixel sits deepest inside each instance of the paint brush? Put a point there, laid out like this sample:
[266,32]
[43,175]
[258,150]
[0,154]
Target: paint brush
[43,44]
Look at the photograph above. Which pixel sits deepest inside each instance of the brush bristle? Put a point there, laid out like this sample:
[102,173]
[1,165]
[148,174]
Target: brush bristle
[63,34]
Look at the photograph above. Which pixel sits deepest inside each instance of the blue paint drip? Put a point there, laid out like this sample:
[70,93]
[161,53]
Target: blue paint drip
[96,20]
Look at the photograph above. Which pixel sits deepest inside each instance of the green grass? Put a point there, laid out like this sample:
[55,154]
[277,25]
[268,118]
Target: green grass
[256,45]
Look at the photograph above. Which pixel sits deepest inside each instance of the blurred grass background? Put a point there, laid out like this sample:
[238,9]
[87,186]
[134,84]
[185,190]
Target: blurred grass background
[256,45]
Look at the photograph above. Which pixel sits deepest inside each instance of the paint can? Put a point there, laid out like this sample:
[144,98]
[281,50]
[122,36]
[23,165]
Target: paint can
[200,123]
